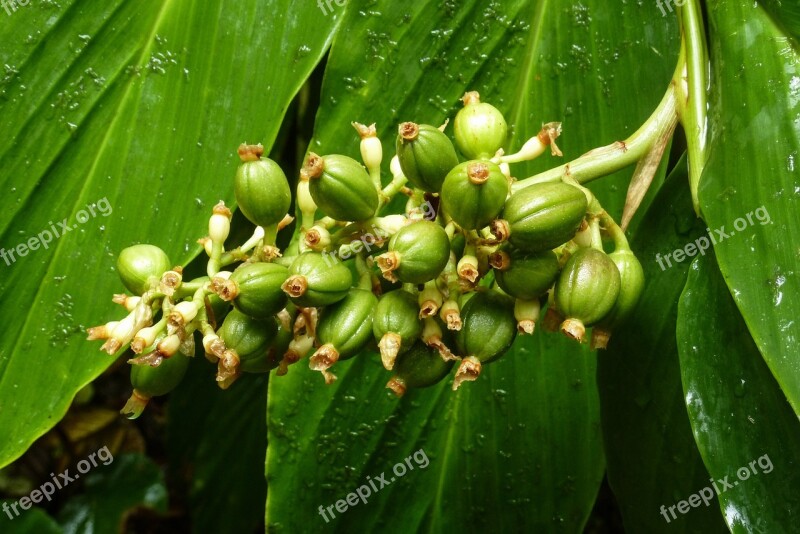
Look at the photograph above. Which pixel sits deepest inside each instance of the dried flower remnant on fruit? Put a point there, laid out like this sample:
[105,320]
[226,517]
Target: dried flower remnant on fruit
[478,173]
[315,165]
[468,371]
[548,135]
[250,152]
[409,131]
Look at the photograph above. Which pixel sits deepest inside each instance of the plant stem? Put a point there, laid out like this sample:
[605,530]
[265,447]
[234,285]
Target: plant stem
[270,234]
[692,99]
[614,230]
[391,189]
[611,158]
[364,275]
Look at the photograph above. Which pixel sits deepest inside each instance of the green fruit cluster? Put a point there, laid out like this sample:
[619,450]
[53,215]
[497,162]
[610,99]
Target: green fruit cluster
[447,282]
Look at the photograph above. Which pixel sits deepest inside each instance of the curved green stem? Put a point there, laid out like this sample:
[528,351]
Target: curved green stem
[611,158]
[594,229]
[364,276]
[620,154]
[286,261]
[240,253]
[394,187]
[189,288]
[215,262]
[270,234]
[692,101]
[614,230]
[375,175]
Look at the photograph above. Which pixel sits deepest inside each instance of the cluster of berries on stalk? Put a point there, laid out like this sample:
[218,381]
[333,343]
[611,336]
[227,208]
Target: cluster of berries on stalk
[452,279]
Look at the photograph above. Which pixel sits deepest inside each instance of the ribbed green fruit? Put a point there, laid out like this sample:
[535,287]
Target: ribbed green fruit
[273,355]
[419,367]
[262,191]
[249,337]
[259,291]
[542,216]
[474,193]
[586,290]
[314,281]
[525,275]
[480,128]
[347,325]
[426,155]
[157,381]
[341,187]
[139,266]
[630,287]
[488,326]
[396,324]
[417,253]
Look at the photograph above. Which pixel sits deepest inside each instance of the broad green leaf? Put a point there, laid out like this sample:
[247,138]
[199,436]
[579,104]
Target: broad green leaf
[784,14]
[651,456]
[131,481]
[746,431]
[33,521]
[133,110]
[749,190]
[519,449]
[483,458]
[216,442]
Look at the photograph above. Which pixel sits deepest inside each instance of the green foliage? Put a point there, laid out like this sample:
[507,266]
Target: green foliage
[121,120]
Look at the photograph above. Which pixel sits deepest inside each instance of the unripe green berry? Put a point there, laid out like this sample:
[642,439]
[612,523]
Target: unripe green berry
[141,266]
[160,380]
[426,155]
[488,330]
[542,216]
[248,337]
[474,193]
[317,280]
[341,187]
[488,326]
[417,253]
[419,367]
[631,283]
[480,129]
[524,275]
[148,382]
[630,290]
[261,189]
[275,353]
[258,289]
[347,325]
[396,324]
[586,290]
[344,330]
